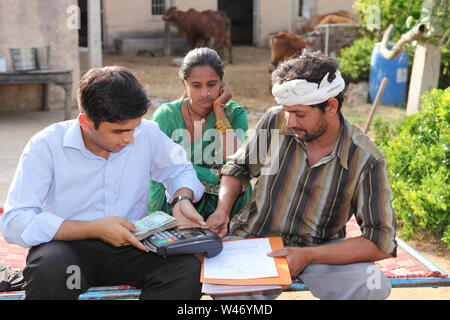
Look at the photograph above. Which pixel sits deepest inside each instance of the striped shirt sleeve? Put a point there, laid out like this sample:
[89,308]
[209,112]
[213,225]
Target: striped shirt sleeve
[374,211]
[247,162]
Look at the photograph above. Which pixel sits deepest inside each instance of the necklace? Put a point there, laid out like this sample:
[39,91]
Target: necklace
[189,107]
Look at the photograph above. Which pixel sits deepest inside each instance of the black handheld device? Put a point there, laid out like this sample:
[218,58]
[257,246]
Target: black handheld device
[184,241]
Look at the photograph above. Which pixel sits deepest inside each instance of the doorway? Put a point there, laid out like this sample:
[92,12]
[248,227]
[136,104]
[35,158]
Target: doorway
[240,13]
[83,31]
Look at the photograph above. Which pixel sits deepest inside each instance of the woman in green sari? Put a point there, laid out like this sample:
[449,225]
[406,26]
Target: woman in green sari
[210,127]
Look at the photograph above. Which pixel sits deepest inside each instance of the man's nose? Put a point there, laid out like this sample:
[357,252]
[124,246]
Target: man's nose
[129,137]
[290,120]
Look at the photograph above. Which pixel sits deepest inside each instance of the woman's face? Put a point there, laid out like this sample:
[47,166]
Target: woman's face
[203,86]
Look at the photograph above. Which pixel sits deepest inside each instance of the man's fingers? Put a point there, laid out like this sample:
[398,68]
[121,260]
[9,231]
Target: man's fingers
[129,225]
[135,242]
[192,214]
[278,253]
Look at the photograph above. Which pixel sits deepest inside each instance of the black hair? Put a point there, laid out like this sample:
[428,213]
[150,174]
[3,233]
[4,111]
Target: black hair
[201,57]
[111,94]
[312,67]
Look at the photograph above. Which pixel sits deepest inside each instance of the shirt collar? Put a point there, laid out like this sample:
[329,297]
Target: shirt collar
[343,146]
[73,138]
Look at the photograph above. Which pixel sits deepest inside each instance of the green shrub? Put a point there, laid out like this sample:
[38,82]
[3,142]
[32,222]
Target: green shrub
[418,153]
[354,61]
[397,12]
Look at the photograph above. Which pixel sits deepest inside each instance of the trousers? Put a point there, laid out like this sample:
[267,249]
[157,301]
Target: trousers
[65,269]
[356,281]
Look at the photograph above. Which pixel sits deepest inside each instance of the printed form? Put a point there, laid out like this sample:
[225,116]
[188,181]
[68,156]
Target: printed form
[242,259]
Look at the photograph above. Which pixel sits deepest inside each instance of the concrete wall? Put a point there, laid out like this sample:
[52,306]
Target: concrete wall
[34,23]
[325,6]
[134,19]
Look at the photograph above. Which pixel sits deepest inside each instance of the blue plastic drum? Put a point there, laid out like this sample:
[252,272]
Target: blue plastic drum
[396,70]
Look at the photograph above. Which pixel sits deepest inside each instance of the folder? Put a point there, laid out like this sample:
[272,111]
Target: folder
[283,279]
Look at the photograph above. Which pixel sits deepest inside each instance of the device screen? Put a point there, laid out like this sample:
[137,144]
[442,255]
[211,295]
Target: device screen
[190,234]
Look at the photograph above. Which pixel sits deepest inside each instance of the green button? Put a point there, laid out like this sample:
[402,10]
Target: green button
[161,242]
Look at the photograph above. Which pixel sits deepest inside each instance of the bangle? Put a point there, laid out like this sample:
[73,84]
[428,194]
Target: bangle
[179,198]
[223,125]
[218,104]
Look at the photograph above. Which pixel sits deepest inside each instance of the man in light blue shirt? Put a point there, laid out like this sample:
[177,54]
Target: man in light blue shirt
[81,183]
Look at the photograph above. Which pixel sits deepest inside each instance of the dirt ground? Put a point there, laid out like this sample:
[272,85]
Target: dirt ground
[249,81]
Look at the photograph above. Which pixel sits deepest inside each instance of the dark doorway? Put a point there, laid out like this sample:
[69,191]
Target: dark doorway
[83,31]
[241,14]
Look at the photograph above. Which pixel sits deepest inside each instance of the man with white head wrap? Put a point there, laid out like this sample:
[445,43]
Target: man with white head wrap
[326,171]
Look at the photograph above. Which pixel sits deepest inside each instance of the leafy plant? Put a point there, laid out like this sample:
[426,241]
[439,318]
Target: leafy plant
[354,61]
[418,153]
[376,15]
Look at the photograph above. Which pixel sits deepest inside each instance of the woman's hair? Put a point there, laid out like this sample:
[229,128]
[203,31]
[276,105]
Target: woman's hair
[201,57]
[111,94]
[310,66]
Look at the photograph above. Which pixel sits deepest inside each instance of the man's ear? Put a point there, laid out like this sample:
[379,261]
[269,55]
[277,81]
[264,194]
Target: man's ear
[332,107]
[84,121]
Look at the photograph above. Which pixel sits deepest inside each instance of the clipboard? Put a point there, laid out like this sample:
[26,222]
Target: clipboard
[284,276]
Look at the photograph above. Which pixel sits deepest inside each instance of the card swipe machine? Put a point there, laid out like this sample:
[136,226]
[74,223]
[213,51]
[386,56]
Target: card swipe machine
[184,241]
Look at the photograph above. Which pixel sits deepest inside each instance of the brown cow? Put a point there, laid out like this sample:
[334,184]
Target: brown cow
[316,19]
[334,19]
[198,26]
[283,46]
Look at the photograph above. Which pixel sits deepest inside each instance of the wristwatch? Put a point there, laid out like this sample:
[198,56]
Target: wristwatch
[179,198]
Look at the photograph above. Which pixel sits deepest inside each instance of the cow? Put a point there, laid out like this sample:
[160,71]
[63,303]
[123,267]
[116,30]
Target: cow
[283,46]
[201,26]
[334,19]
[316,19]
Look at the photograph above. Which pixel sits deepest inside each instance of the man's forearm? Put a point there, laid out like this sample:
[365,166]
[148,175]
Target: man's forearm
[352,250]
[75,230]
[230,188]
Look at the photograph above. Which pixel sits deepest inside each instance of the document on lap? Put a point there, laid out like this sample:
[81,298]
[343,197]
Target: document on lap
[242,260]
[243,266]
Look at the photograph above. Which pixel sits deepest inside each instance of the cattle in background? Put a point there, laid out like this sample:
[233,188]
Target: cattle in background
[334,19]
[201,26]
[283,46]
[316,19]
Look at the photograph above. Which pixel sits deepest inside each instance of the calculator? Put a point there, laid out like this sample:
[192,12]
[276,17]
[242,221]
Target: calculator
[184,241]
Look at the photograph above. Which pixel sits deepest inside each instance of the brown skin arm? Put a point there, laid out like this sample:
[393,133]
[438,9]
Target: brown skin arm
[354,250]
[230,187]
[113,230]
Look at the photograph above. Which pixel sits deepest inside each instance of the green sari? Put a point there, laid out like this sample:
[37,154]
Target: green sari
[205,155]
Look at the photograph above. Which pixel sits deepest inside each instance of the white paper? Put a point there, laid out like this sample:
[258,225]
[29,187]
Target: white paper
[210,288]
[242,259]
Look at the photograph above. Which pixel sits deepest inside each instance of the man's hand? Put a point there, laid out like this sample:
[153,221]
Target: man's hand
[116,231]
[297,259]
[218,222]
[187,216]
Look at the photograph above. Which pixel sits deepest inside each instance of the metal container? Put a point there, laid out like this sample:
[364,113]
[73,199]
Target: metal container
[23,58]
[3,65]
[42,54]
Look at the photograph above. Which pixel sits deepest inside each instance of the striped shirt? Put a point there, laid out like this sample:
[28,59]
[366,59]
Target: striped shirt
[307,206]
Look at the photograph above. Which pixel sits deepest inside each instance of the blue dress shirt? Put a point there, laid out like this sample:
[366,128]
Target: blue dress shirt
[59,179]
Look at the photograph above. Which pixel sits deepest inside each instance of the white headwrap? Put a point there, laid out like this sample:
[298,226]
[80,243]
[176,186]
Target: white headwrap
[300,91]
